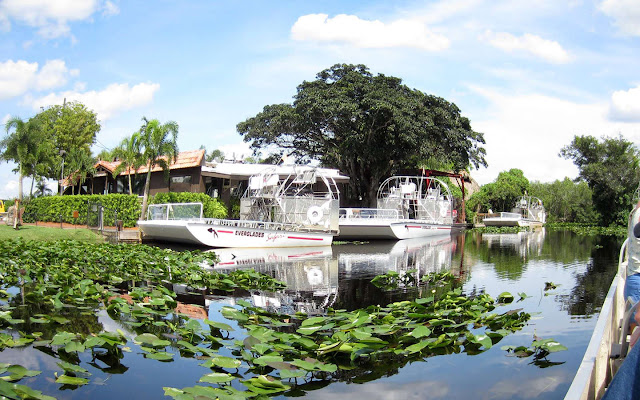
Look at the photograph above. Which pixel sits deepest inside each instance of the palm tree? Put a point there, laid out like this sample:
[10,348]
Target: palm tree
[41,160]
[20,146]
[215,155]
[42,189]
[82,164]
[128,152]
[159,142]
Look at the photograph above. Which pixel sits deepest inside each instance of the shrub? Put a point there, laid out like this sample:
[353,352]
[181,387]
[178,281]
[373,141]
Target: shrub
[211,208]
[53,208]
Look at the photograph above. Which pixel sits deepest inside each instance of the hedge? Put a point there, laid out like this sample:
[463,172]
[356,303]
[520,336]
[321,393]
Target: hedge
[128,207]
[211,208]
[52,208]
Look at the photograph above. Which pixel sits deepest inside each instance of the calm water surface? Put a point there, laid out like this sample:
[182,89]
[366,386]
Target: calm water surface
[581,267]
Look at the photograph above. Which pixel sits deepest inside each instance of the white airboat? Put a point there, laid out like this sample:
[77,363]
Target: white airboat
[407,207]
[528,211]
[297,210]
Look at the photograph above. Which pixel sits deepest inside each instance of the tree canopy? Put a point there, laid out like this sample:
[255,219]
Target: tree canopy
[20,146]
[499,195]
[610,168]
[367,126]
[566,201]
[71,125]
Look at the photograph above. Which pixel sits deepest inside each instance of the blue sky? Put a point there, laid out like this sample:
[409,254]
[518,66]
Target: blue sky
[529,74]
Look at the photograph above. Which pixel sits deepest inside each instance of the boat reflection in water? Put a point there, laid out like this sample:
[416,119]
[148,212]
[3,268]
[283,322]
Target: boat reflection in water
[313,275]
[525,243]
[424,255]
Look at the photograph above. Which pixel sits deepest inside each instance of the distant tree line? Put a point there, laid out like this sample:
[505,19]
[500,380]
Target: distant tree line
[604,193]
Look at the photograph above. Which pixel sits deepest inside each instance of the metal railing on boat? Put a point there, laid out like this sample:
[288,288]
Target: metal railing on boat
[609,342]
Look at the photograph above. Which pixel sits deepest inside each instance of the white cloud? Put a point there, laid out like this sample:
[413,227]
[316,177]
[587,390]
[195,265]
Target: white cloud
[367,34]
[51,18]
[625,105]
[236,151]
[111,100]
[18,77]
[548,50]
[9,190]
[528,131]
[625,13]
[110,9]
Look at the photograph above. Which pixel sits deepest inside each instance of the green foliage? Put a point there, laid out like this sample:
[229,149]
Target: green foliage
[79,164]
[367,126]
[72,125]
[566,201]
[51,208]
[500,195]
[211,208]
[128,152]
[590,230]
[539,349]
[21,146]
[611,169]
[158,145]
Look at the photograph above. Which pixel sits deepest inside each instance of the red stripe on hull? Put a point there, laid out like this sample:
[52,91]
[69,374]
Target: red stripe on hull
[303,238]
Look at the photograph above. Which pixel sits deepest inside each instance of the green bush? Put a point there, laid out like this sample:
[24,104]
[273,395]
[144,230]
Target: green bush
[53,208]
[211,208]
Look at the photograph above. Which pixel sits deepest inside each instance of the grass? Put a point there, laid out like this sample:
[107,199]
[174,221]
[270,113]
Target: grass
[47,234]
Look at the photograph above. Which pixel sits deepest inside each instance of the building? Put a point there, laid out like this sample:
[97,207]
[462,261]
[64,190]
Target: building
[184,176]
[188,173]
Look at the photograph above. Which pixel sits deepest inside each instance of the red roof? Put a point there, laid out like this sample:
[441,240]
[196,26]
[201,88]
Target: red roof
[185,159]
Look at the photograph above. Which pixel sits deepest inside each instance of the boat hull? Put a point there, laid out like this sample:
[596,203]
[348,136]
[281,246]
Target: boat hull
[225,234]
[377,230]
[498,221]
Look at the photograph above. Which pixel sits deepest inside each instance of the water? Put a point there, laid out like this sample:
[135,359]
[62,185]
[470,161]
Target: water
[581,268]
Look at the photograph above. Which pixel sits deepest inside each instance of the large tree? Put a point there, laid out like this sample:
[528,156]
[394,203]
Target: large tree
[367,126]
[610,168]
[159,147]
[20,146]
[67,126]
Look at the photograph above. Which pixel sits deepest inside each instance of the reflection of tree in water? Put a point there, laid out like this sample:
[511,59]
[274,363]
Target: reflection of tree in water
[510,253]
[564,246]
[81,320]
[591,288]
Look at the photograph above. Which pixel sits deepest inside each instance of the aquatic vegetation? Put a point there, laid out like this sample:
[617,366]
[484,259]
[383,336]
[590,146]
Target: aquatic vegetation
[539,349]
[50,292]
[590,230]
[500,229]
[394,280]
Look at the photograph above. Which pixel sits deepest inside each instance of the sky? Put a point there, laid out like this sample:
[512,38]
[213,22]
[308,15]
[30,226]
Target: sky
[530,75]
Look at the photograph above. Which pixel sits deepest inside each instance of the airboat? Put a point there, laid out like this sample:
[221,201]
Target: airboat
[528,211]
[408,207]
[296,210]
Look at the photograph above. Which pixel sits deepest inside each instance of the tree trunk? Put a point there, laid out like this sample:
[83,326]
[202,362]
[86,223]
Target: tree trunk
[130,188]
[372,191]
[20,184]
[145,199]
[33,178]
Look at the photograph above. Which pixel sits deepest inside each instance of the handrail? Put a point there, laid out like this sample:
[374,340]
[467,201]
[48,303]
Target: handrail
[609,339]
